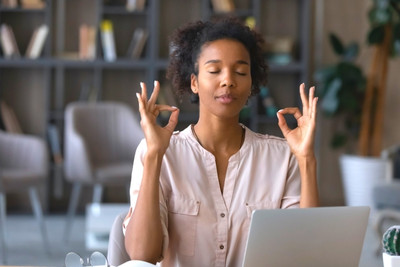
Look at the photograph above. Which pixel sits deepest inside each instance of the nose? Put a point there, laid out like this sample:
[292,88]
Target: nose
[228,80]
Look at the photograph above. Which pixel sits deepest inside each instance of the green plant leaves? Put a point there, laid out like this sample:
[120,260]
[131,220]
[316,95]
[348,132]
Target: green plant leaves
[351,52]
[376,35]
[330,101]
[380,14]
[336,44]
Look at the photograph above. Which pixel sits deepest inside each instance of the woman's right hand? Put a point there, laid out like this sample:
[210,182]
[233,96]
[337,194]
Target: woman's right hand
[157,137]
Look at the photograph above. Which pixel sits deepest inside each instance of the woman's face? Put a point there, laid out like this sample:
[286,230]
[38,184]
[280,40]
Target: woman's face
[224,81]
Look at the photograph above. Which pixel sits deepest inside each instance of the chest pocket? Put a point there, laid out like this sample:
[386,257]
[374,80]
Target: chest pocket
[182,224]
[265,205]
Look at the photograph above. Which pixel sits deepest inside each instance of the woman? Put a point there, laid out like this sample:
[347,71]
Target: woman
[192,192]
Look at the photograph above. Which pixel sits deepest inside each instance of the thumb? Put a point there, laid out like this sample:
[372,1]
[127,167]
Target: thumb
[282,124]
[173,120]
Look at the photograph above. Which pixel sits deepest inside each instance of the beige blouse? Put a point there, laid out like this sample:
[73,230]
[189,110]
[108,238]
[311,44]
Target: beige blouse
[201,226]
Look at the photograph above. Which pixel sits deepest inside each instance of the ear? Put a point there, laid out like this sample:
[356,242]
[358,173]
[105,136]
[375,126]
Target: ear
[193,83]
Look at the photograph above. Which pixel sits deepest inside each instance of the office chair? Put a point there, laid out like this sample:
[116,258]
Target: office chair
[116,253]
[23,167]
[100,142]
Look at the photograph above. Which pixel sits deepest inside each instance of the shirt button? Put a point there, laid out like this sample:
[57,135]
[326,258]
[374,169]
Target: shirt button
[222,215]
[221,247]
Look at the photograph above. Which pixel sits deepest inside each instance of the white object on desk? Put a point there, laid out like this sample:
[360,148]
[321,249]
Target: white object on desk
[99,219]
[136,263]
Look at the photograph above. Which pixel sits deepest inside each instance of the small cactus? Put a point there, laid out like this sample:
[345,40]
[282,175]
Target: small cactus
[391,241]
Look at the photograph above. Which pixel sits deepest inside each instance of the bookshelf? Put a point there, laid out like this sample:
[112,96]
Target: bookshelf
[38,90]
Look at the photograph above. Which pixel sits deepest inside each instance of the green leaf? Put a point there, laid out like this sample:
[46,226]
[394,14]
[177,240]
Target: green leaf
[330,101]
[376,35]
[336,44]
[380,15]
[324,75]
[351,52]
[396,47]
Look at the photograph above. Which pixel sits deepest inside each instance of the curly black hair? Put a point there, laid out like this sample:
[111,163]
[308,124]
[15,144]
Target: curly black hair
[186,43]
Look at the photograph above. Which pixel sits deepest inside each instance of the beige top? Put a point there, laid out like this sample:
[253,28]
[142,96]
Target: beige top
[203,227]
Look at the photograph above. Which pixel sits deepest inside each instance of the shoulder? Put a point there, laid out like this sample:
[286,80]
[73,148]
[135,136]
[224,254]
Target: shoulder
[265,139]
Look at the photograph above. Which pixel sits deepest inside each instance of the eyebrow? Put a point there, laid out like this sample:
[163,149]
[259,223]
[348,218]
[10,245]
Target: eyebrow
[218,61]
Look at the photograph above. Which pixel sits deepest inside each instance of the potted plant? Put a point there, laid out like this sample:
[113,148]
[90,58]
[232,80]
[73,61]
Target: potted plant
[355,102]
[391,247]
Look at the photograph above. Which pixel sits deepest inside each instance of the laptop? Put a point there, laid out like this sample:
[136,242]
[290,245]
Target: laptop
[312,237]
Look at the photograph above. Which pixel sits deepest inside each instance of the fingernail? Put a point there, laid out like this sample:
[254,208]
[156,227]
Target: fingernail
[138,95]
[155,83]
[141,85]
[280,110]
[174,107]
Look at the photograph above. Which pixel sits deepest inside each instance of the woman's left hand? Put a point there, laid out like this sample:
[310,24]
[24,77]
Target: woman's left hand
[301,139]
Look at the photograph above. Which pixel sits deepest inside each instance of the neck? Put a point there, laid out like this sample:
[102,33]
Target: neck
[219,136]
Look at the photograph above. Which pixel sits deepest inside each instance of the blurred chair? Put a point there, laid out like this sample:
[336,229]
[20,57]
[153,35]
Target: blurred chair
[100,142]
[23,167]
[116,253]
[386,196]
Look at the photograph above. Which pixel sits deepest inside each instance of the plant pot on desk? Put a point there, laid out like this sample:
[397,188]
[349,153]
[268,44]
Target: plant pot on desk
[390,261]
[360,175]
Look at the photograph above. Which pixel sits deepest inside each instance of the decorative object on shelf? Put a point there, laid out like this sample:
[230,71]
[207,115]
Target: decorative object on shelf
[135,5]
[268,102]
[37,41]
[33,4]
[137,44]
[279,49]
[107,40]
[391,247]
[8,42]
[223,6]
[9,3]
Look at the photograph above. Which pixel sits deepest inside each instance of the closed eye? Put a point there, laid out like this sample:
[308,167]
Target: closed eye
[241,73]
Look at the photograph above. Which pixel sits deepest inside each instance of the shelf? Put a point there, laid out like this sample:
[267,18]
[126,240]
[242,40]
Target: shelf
[22,10]
[237,12]
[25,62]
[286,68]
[121,10]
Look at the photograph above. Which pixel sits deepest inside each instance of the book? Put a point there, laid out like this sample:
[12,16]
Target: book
[8,41]
[137,43]
[135,5]
[37,42]
[33,4]
[9,118]
[87,42]
[223,6]
[9,3]
[107,40]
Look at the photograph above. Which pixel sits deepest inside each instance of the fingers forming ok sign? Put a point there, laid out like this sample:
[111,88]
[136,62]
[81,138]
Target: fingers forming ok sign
[157,137]
[301,138]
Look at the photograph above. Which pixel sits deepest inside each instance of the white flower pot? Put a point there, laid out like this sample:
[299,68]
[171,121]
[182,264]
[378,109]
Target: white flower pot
[390,261]
[360,175]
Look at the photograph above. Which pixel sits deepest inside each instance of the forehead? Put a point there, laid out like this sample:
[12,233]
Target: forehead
[224,49]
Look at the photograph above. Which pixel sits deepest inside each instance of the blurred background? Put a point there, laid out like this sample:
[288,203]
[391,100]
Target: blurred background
[69,71]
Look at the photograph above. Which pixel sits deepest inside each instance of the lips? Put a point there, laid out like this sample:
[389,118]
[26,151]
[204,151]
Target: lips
[225,98]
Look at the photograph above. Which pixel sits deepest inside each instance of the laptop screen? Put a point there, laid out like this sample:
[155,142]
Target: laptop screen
[324,236]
